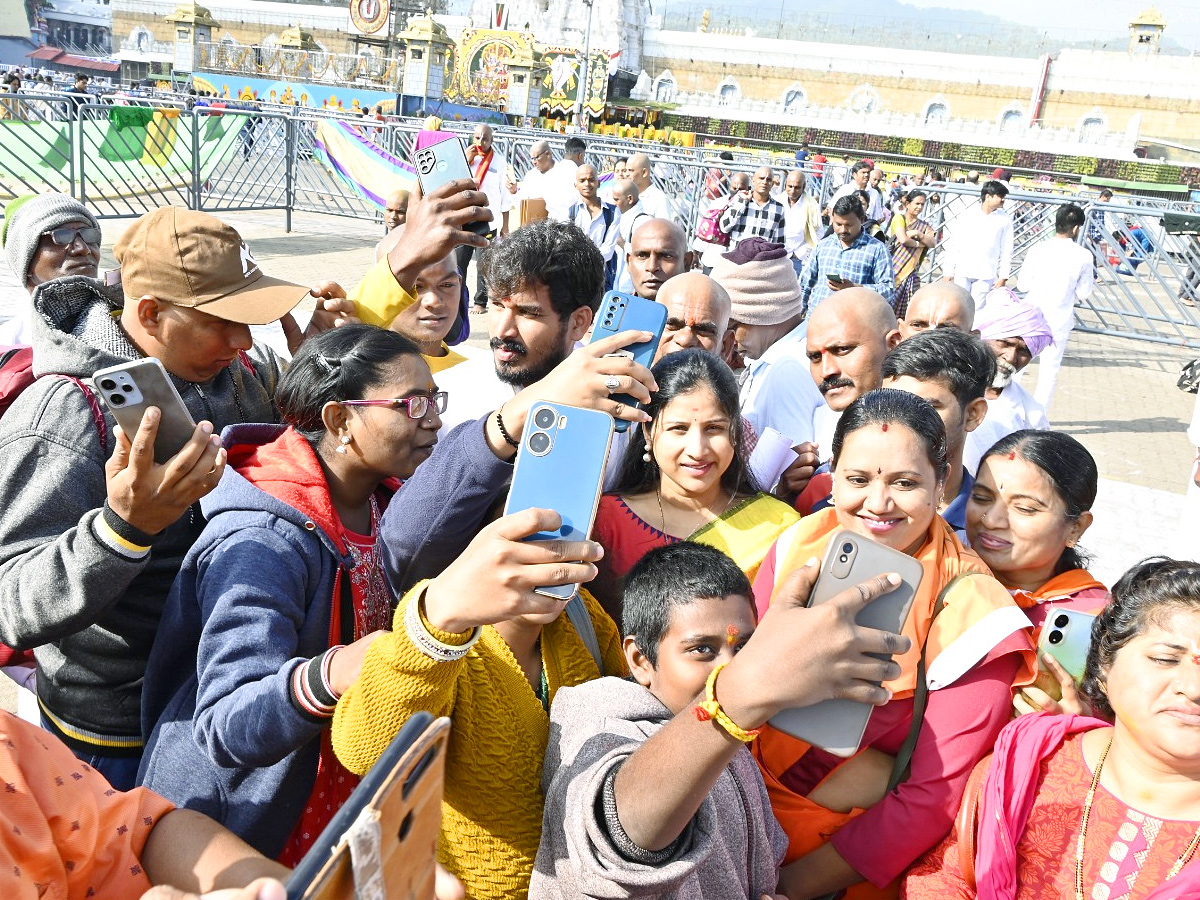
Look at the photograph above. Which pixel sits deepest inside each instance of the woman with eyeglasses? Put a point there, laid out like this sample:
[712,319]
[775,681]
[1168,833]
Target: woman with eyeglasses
[284,591]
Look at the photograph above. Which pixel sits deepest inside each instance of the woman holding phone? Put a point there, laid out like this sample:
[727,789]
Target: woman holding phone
[284,591]
[846,829]
[1030,505]
[684,476]
[1069,806]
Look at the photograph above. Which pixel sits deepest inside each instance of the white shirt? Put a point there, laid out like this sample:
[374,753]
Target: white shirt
[605,238]
[801,226]
[560,189]
[1014,410]
[983,246]
[16,308]
[825,422]
[778,391]
[1057,273]
[875,211]
[631,217]
[656,203]
[473,388]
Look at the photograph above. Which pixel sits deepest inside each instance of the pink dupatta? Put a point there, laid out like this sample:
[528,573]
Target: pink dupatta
[1008,794]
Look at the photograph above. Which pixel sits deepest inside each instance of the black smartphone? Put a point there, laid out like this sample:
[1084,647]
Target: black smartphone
[442,162]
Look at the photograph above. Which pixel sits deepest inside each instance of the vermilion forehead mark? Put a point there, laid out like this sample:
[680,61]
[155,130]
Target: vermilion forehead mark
[885,425]
[732,633]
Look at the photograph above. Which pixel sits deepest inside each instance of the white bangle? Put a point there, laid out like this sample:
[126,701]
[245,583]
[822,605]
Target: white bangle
[427,643]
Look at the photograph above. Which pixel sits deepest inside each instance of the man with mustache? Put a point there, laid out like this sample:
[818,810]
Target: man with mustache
[1015,332]
[849,334]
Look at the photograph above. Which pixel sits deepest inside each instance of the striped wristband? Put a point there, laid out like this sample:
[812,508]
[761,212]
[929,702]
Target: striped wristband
[311,693]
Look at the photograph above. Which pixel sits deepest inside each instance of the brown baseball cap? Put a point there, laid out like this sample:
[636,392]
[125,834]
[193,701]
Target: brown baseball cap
[193,259]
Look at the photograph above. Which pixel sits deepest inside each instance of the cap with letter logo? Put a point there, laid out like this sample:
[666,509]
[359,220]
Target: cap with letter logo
[195,260]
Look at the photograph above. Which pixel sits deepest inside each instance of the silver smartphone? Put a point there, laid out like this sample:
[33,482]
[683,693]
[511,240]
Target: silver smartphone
[129,388]
[442,162]
[838,725]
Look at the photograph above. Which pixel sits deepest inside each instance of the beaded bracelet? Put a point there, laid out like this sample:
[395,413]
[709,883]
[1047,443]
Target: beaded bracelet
[437,650]
[508,438]
[710,710]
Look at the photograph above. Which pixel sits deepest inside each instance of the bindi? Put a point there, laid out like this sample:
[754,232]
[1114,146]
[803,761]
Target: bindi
[731,634]
[884,427]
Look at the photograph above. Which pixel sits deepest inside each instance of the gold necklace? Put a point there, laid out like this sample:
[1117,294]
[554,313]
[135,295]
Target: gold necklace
[663,519]
[1087,811]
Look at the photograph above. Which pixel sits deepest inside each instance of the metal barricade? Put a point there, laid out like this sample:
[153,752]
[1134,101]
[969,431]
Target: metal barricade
[251,172]
[37,145]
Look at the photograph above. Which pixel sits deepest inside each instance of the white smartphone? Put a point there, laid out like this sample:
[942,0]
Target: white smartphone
[838,725]
[129,388]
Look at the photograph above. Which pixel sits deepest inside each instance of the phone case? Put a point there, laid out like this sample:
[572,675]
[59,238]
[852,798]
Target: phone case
[442,162]
[625,312]
[560,466]
[129,388]
[838,725]
[389,827]
[1067,635]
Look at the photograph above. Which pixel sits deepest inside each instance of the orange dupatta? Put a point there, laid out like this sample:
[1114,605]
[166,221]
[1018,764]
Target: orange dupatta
[978,614]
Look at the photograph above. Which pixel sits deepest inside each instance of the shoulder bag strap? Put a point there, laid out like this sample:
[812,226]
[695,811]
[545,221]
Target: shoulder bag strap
[97,412]
[967,822]
[900,769]
[581,620]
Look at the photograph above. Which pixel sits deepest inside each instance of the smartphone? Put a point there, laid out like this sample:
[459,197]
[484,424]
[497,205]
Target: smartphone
[129,388]
[389,826]
[1066,635]
[625,312]
[838,725]
[560,466]
[836,279]
[442,162]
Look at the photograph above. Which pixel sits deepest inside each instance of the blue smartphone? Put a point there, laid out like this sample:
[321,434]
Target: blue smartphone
[625,312]
[560,466]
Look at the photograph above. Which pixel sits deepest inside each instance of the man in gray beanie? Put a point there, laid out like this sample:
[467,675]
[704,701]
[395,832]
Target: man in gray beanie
[45,237]
[777,391]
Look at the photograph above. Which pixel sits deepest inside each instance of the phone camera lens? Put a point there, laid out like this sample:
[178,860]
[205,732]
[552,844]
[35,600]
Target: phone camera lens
[1055,637]
[847,548]
[539,442]
[116,400]
[543,418]
[843,558]
[108,384]
[127,388]
[1060,621]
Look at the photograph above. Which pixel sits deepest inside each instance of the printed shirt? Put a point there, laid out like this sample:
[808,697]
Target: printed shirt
[67,832]
[745,217]
[865,262]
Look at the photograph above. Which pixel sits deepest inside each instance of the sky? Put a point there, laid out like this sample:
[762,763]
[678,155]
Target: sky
[1089,19]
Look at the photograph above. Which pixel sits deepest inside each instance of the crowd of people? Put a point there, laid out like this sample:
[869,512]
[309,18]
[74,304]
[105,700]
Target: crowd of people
[222,642]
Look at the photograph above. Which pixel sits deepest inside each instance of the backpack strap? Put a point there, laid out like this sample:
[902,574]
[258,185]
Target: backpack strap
[94,406]
[581,620]
[903,764]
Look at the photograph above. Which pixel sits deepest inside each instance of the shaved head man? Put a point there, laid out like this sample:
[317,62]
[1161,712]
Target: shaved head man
[639,170]
[395,211]
[653,200]
[942,304]
[656,252]
[697,316]
[625,195]
[849,334]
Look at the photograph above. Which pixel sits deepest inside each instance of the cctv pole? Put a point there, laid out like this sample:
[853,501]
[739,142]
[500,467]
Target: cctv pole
[584,70]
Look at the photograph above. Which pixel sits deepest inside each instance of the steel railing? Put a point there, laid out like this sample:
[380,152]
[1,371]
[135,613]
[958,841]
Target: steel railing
[124,160]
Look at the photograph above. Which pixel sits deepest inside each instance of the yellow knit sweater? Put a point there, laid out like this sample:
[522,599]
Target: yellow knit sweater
[492,807]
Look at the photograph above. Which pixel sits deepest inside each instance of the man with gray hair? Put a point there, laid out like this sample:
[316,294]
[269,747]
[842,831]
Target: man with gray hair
[539,182]
[45,237]
[754,213]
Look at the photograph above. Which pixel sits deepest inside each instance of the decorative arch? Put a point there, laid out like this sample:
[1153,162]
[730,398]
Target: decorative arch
[1011,119]
[665,87]
[864,99]
[937,111]
[728,91]
[794,98]
[1092,126]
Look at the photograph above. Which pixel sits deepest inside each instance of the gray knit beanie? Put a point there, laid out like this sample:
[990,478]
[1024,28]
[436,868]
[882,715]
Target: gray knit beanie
[26,219]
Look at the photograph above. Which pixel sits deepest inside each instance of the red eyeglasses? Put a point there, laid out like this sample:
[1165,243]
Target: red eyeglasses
[417,407]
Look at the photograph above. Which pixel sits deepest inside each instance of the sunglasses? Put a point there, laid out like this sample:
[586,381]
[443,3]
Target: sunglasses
[418,407]
[65,237]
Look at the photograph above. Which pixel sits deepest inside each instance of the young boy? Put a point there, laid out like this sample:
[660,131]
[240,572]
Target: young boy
[647,793]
